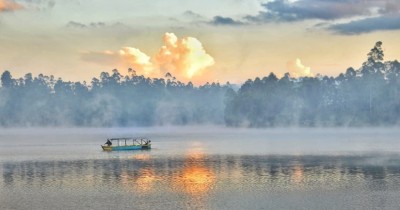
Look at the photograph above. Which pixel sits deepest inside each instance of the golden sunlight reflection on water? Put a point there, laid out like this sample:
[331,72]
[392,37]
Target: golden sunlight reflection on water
[297,173]
[145,181]
[192,178]
[141,180]
[141,156]
[195,178]
[200,181]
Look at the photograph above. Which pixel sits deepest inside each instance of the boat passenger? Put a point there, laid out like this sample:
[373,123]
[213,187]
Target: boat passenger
[109,143]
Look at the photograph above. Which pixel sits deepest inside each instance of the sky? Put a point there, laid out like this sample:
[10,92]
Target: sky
[199,41]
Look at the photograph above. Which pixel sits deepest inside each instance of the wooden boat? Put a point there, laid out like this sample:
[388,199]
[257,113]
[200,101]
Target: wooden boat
[118,144]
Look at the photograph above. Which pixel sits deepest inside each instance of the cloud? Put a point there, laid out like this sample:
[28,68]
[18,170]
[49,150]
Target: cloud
[297,69]
[38,5]
[9,5]
[284,10]
[74,24]
[138,60]
[382,23]
[103,57]
[192,15]
[219,20]
[184,58]
[364,16]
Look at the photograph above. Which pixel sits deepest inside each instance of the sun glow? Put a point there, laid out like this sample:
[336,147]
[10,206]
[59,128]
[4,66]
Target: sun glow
[196,178]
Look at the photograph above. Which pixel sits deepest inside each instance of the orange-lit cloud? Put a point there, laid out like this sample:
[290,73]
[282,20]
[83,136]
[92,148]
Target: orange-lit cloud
[297,69]
[185,58]
[137,60]
[9,5]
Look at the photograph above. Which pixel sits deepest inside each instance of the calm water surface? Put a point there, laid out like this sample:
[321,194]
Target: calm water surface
[201,168]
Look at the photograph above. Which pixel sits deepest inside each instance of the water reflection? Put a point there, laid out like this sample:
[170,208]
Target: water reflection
[199,171]
[142,181]
[195,176]
[141,156]
[297,173]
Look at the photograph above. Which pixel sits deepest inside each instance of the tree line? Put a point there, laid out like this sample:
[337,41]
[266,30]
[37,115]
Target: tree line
[110,100]
[368,96]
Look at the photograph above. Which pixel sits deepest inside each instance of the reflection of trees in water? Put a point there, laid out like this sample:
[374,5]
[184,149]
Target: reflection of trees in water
[141,180]
[198,175]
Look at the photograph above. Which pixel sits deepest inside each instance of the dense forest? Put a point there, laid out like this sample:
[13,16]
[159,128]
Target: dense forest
[110,100]
[368,96]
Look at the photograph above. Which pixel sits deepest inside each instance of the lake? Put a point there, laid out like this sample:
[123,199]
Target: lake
[201,168]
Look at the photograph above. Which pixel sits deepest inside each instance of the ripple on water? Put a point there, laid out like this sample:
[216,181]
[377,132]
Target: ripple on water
[203,181]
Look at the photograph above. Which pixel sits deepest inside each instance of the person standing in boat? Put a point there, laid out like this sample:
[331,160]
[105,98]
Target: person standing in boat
[109,143]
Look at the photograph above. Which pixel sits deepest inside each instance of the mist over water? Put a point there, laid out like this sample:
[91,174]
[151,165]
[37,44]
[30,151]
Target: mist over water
[201,168]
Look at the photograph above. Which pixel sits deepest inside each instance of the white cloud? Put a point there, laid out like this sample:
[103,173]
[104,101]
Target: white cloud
[297,69]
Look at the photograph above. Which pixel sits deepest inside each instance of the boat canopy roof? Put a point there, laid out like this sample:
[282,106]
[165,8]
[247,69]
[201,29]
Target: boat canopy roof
[122,139]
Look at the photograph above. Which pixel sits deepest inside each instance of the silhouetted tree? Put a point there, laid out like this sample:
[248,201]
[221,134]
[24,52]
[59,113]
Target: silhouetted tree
[367,96]
[6,79]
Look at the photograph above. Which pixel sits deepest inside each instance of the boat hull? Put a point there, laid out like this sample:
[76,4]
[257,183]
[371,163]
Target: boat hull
[130,147]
